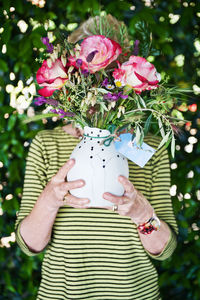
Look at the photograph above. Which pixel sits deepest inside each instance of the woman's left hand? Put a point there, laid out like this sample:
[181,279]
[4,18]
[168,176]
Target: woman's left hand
[132,204]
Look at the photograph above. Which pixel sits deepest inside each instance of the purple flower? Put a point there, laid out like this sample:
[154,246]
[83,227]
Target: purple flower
[111,97]
[85,72]
[63,113]
[105,82]
[122,96]
[136,47]
[114,97]
[91,55]
[45,41]
[79,63]
[41,100]
[54,111]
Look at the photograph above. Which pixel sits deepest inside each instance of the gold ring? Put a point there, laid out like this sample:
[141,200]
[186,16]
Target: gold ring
[65,197]
[115,207]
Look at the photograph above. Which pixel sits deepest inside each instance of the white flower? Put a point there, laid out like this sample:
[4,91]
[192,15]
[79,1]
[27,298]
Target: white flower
[110,86]
[64,60]
[111,105]
[121,110]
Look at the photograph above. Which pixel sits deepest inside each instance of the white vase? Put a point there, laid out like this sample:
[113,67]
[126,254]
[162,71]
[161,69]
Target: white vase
[99,166]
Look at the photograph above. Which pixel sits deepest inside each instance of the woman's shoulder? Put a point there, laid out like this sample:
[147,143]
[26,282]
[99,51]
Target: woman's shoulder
[161,153]
[57,133]
[48,135]
[52,139]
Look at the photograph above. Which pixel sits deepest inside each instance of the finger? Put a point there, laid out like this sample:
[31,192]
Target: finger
[114,199]
[76,202]
[128,186]
[66,186]
[62,172]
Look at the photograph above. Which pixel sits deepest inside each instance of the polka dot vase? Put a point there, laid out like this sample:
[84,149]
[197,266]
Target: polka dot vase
[99,165]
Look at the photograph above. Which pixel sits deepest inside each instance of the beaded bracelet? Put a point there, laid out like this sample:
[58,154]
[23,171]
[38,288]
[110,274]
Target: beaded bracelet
[148,227]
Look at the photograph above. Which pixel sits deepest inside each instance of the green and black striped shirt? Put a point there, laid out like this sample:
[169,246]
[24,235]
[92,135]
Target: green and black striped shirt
[96,253]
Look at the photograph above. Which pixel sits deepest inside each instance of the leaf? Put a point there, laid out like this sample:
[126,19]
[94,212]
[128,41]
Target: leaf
[164,140]
[173,146]
[25,46]
[111,116]
[138,135]
[101,90]
[161,127]
[155,52]
[38,117]
[103,106]
[141,137]
[3,66]
[11,122]
[6,35]
[143,34]
[142,101]
[147,124]
[167,143]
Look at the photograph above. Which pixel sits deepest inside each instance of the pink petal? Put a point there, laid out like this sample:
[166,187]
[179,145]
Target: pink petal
[140,77]
[153,82]
[46,92]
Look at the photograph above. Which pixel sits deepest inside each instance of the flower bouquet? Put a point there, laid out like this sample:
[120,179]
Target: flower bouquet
[106,88]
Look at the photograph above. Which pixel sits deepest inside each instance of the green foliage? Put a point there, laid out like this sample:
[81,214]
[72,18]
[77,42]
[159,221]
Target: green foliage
[179,275]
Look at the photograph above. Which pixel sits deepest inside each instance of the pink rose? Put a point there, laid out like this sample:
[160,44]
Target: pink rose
[51,79]
[96,53]
[138,73]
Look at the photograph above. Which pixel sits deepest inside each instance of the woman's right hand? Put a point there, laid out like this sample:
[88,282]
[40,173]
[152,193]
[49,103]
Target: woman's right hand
[57,188]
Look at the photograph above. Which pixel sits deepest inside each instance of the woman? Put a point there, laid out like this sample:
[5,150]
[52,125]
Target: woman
[95,253]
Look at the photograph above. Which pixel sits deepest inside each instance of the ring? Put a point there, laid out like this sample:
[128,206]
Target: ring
[115,207]
[65,197]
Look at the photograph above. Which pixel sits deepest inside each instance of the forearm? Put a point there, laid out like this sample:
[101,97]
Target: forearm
[36,228]
[156,241]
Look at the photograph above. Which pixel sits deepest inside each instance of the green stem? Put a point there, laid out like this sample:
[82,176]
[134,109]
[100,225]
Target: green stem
[106,118]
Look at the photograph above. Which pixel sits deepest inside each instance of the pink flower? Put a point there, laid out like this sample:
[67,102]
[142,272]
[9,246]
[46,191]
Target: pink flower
[96,53]
[137,73]
[51,79]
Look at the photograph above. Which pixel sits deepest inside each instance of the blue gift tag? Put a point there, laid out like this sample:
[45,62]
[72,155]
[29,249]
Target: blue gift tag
[140,155]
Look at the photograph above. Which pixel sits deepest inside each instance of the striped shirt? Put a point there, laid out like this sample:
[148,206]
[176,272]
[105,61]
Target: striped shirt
[96,253]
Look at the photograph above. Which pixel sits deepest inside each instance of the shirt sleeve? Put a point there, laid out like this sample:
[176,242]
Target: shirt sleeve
[160,199]
[34,182]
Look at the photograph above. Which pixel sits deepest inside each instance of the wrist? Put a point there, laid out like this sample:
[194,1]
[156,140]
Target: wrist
[144,216]
[46,205]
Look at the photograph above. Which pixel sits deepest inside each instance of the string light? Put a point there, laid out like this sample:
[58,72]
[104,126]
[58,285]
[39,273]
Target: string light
[173,166]
[39,3]
[9,197]
[173,190]
[5,241]
[190,174]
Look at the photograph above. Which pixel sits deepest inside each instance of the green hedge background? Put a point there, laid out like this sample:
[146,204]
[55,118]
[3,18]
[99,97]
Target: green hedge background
[175,30]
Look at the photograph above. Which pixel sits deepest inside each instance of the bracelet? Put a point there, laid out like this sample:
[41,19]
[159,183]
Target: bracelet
[148,227]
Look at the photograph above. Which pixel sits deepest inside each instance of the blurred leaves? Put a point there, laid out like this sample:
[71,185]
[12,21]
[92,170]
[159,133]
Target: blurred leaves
[179,276]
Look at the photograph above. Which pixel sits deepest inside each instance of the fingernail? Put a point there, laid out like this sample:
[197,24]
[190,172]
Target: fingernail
[82,182]
[106,195]
[71,161]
